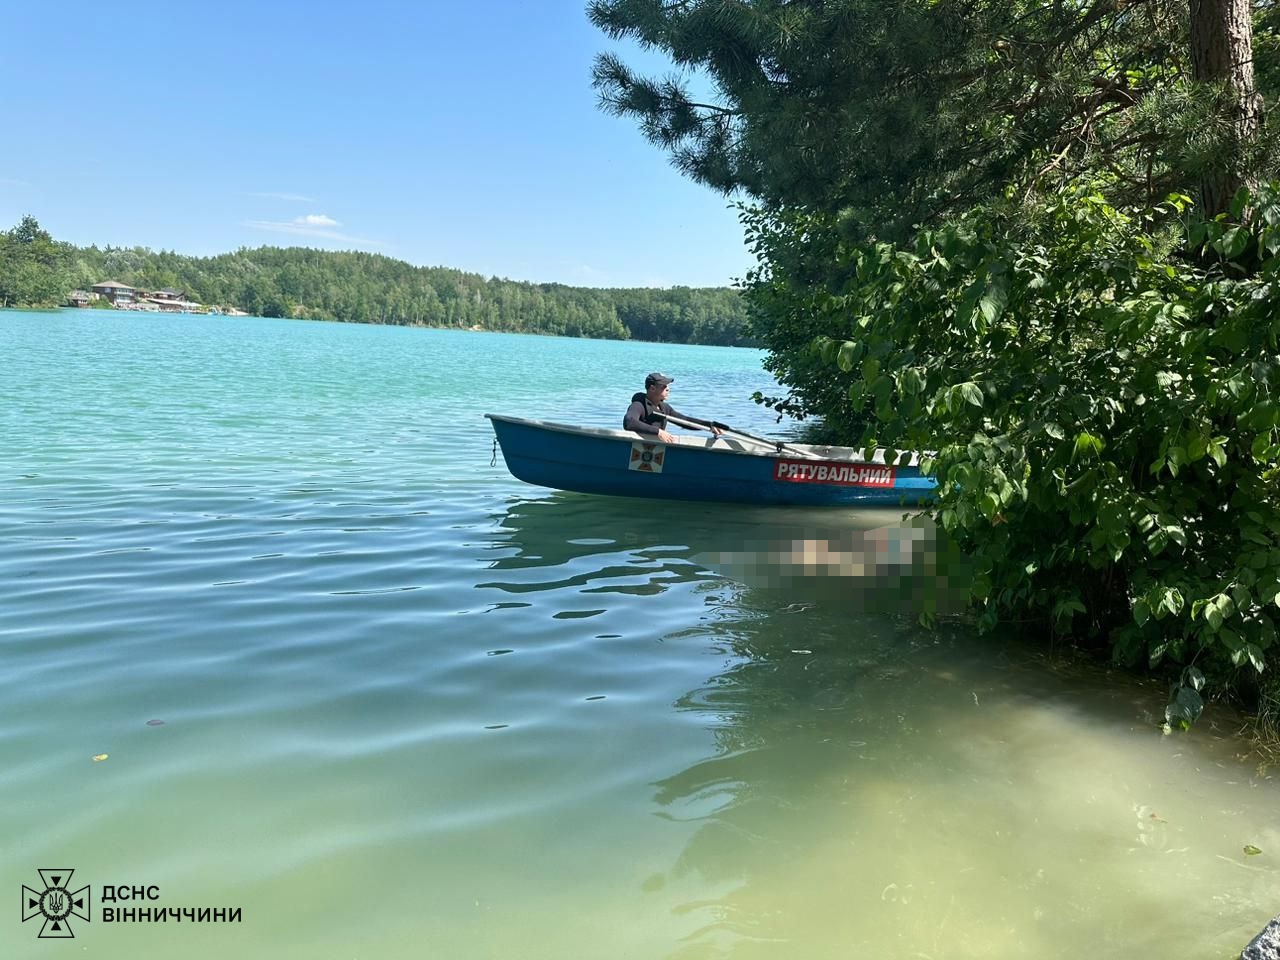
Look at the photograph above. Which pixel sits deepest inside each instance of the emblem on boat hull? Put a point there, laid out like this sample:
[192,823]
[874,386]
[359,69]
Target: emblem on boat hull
[647,457]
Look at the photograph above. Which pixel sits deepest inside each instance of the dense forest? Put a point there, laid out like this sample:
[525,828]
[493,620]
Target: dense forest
[1043,240]
[36,270]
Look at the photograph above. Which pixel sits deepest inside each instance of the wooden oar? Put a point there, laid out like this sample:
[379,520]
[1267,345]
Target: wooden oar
[777,445]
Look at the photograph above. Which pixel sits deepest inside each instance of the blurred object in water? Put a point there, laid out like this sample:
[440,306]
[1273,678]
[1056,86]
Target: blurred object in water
[906,567]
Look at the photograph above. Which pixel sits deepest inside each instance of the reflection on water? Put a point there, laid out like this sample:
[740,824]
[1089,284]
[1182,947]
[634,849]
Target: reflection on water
[601,544]
[873,560]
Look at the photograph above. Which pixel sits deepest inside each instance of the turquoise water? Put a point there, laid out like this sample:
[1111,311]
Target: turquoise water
[412,707]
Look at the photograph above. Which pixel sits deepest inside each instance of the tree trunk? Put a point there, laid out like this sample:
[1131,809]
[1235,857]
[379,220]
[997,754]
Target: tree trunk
[1222,54]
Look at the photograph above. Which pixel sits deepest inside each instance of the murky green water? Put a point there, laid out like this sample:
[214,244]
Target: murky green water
[414,708]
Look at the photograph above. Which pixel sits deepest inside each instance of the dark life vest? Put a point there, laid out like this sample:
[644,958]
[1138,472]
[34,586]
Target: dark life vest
[653,415]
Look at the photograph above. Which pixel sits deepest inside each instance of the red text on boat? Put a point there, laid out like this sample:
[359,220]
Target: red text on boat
[841,474]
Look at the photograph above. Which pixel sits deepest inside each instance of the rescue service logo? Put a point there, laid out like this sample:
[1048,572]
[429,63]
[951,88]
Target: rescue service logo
[57,904]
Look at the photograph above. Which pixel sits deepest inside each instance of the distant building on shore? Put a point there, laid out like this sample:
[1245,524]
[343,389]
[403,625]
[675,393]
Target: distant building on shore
[124,297]
[171,301]
[116,293]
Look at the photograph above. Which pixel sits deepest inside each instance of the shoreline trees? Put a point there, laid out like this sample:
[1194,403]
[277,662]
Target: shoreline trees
[976,234]
[33,268]
[370,288]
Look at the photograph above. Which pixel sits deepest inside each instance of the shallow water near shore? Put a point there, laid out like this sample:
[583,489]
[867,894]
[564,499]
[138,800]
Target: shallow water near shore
[409,706]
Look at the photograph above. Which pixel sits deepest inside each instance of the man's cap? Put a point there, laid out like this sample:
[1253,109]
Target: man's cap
[658,378]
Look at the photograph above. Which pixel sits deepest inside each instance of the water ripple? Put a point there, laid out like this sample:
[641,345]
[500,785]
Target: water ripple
[407,699]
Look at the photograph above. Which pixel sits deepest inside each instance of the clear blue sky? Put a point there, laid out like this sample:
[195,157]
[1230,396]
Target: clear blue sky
[459,134]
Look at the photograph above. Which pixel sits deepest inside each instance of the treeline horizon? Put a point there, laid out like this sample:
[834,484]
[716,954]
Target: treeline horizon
[357,287]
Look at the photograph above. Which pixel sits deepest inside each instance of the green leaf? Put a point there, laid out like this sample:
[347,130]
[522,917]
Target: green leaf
[992,303]
[1250,850]
[1184,708]
[848,355]
[1157,653]
[1087,444]
[1141,612]
[1218,450]
[1213,614]
[1157,542]
[1266,632]
[1197,447]
[1234,242]
[981,586]
[911,382]
[1064,610]
[1241,596]
[882,390]
[1263,416]
[971,393]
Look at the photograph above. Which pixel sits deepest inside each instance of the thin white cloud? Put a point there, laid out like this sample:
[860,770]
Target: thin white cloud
[315,226]
[10,182]
[291,197]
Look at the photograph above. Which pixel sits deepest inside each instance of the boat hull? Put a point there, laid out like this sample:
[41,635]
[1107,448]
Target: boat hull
[619,463]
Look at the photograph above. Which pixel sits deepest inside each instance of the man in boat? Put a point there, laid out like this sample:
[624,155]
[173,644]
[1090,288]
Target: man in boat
[648,412]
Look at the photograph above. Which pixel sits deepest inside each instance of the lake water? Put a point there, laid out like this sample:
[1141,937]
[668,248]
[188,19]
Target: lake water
[354,679]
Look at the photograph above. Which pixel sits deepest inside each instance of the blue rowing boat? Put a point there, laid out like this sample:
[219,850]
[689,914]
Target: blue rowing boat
[731,468]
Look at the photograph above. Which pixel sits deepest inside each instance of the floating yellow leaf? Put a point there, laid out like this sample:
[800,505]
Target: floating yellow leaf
[98,757]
